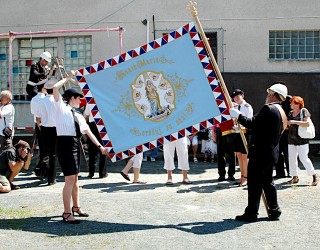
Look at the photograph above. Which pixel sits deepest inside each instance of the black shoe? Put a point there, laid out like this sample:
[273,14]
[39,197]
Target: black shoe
[103,176]
[125,176]
[273,217]
[221,178]
[274,214]
[90,176]
[51,183]
[231,178]
[247,218]
[14,187]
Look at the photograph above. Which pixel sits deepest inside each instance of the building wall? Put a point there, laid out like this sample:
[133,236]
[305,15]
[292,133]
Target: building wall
[242,27]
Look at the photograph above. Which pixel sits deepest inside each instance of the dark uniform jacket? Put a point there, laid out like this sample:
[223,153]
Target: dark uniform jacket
[266,130]
[37,73]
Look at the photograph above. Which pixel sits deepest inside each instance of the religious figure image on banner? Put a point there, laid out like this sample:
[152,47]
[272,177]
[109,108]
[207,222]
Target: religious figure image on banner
[154,94]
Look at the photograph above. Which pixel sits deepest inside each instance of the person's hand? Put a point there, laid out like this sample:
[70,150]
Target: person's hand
[104,150]
[234,112]
[236,128]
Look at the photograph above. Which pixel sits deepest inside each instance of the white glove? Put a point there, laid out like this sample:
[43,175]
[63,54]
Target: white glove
[236,129]
[234,112]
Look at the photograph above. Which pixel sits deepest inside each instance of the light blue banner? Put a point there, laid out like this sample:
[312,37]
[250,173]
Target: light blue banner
[153,95]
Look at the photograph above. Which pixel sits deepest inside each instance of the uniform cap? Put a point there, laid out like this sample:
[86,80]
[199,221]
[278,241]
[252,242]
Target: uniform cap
[237,92]
[71,92]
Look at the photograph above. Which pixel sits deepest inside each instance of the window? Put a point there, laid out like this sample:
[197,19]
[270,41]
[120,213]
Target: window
[4,83]
[212,36]
[294,45]
[28,52]
[77,52]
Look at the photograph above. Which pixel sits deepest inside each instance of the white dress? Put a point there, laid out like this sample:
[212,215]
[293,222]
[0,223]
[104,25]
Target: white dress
[209,146]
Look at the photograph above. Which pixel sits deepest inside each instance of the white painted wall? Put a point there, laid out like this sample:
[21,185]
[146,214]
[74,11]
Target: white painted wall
[246,24]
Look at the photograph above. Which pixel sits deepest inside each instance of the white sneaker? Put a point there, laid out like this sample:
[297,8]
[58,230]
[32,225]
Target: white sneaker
[153,159]
[144,159]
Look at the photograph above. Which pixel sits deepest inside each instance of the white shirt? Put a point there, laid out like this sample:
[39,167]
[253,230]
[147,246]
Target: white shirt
[88,113]
[47,112]
[34,105]
[246,109]
[64,119]
[6,117]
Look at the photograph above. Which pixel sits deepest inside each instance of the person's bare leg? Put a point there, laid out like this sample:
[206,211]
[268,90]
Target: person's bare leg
[195,149]
[67,192]
[184,174]
[126,169]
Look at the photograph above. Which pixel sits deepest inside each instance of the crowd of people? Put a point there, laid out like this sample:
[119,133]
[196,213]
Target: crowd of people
[260,143]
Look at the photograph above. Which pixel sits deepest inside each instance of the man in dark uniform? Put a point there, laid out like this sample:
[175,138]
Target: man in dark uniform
[266,127]
[38,73]
[283,161]
[225,146]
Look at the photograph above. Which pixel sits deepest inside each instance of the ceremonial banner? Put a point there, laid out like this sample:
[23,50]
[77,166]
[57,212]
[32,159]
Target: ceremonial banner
[154,94]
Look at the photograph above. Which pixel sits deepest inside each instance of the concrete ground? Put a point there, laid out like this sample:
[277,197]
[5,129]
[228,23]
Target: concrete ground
[156,216]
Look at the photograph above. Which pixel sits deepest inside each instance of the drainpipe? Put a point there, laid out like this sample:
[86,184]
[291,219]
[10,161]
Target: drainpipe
[10,68]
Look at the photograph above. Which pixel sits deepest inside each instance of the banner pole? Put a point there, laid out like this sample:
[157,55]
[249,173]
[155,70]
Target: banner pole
[192,7]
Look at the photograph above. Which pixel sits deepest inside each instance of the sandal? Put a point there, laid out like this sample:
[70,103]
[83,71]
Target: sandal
[65,219]
[186,181]
[169,182]
[78,212]
[195,160]
[139,182]
[295,179]
[244,183]
[205,159]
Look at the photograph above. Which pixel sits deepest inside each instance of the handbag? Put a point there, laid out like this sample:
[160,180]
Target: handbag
[203,134]
[306,132]
[7,132]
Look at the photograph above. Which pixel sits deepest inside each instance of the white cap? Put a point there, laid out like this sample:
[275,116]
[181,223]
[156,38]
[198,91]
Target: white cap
[50,83]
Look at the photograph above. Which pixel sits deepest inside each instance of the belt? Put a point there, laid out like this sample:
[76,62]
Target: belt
[39,83]
[32,83]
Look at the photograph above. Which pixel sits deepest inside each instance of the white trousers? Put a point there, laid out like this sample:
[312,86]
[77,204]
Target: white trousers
[137,160]
[181,146]
[301,151]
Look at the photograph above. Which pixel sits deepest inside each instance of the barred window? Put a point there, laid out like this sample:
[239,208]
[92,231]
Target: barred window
[294,45]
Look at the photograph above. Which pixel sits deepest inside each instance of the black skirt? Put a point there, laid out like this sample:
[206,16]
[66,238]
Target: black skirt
[238,143]
[68,152]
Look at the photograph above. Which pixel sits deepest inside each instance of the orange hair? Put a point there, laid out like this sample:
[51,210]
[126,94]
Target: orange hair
[297,100]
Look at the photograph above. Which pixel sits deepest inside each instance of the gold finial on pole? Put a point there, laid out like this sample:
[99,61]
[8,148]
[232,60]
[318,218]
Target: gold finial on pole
[192,7]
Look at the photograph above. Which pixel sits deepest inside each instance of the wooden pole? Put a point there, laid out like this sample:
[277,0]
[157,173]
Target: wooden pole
[192,7]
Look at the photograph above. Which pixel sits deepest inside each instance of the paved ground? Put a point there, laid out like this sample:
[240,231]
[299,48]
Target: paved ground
[155,216]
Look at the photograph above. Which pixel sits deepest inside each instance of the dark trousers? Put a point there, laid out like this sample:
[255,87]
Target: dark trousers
[49,136]
[5,143]
[40,143]
[225,146]
[283,161]
[32,91]
[260,179]
[93,153]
